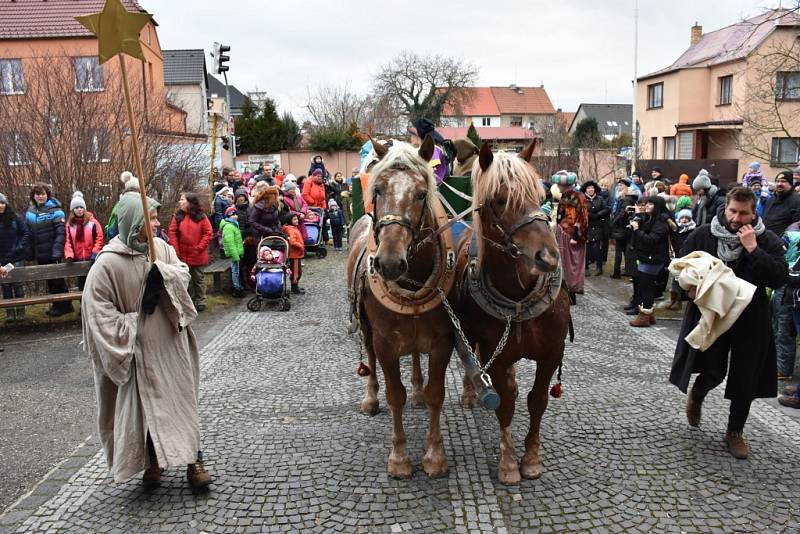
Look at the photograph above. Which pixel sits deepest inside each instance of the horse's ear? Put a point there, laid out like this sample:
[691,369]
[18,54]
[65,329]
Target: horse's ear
[426,150]
[485,156]
[528,151]
[379,149]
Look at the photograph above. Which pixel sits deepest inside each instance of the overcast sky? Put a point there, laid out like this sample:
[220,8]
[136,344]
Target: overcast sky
[581,50]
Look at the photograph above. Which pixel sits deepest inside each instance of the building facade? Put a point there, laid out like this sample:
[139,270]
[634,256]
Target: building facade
[506,107]
[734,94]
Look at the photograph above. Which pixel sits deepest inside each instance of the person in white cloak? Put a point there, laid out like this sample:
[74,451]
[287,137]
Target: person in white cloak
[137,330]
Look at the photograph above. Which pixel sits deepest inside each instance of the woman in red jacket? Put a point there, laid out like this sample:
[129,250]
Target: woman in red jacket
[190,234]
[316,197]
[84,235]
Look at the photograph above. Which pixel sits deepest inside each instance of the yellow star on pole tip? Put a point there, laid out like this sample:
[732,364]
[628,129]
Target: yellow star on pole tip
[117,30]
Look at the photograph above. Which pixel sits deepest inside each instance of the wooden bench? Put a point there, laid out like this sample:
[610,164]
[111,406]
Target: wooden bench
[216,269]
[35,273]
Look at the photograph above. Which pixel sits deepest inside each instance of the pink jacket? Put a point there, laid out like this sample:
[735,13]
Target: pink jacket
[84,238]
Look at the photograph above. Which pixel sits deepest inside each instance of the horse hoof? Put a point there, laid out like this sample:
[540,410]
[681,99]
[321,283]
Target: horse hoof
[402,470]
[370,408]
[435,466]
[509,477]
[532,471]
[469,401]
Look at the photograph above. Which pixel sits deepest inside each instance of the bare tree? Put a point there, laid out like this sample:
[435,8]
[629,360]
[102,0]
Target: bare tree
[336,107]
[77,138]
[422,85]
[770,109]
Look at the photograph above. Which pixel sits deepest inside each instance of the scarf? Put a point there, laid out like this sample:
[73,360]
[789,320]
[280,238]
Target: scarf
[729,247]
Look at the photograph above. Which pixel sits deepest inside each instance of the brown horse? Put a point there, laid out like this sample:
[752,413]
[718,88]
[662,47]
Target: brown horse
[393,271]
[510,288]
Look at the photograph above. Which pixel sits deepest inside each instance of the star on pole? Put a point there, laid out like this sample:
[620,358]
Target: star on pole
[117,30]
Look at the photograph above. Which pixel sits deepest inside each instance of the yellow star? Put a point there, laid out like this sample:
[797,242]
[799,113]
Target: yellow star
[117,30]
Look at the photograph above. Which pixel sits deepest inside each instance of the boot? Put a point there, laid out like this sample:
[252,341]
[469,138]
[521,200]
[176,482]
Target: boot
[789,390]
[790,401]
[197,475]
[674,301]
[152,475]
[737,446]
[693,410]
[297,289]
[644,319]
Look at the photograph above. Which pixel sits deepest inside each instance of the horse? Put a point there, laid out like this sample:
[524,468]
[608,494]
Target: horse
[511,301]
[396,267]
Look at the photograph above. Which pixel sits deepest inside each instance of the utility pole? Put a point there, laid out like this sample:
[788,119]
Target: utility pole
[635,122]
[213,158]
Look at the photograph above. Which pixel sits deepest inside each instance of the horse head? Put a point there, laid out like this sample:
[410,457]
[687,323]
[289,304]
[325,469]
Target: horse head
[400,190]
[507,193]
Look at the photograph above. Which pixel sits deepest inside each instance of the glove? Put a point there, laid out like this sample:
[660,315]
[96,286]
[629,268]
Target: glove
[152,291]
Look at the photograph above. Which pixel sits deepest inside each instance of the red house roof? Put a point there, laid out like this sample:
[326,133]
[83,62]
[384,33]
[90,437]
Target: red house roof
[503,133]
[51,19]
[496,101]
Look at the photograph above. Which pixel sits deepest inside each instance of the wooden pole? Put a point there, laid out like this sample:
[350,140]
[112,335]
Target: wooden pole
[151,245]
[213,159]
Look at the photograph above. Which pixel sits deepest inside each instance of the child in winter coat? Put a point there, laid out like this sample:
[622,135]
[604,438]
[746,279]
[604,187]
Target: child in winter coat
[84,235]
[233,245]
[297,250]
[336,217]
[685,226]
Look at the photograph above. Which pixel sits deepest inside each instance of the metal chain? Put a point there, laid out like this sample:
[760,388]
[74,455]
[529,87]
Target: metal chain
[457,324]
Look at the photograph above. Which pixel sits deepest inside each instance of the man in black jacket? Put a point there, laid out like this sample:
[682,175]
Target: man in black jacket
[783,208]
[597,232]
[739,238]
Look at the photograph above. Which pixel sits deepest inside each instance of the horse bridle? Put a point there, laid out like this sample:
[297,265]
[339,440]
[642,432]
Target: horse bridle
[389,219]
[508,245]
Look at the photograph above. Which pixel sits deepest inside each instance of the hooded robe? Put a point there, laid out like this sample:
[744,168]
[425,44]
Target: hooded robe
[146,367]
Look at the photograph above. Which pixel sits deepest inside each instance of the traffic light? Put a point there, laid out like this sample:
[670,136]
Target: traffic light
[225,145]
[220,58]
[237,143]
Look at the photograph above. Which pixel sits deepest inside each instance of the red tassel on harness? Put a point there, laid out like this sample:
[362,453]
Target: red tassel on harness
[555,391]
[363,370]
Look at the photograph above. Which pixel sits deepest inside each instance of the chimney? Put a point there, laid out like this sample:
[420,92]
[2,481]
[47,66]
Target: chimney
[697,33]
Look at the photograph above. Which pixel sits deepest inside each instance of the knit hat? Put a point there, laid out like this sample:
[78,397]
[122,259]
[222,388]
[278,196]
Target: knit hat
[702,181]
[683,202]
[224,191]
[231,211]
[633,192]
[3,199]
[317,172]
[785,175]
[129,181]
[77,201]
[683,213]
[290,178]
[564,178]
[755,166]
[289,186]
[333,204]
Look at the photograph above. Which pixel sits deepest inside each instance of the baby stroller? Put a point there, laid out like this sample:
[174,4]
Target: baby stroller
[313,225]
[272,271]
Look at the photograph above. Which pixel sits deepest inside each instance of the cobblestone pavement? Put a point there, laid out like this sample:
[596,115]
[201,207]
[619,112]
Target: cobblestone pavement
[290,452]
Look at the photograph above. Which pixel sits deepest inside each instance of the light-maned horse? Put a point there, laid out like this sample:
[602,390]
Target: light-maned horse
[386,267]
[512,268]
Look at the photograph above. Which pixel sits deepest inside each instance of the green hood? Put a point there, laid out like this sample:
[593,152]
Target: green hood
[130,219]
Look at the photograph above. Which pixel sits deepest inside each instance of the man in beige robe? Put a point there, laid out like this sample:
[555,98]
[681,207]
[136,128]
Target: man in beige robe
[136,329]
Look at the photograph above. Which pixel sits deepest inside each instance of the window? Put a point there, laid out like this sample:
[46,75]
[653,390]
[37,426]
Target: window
[787,86]
[16,147]
[685,145]
[655,96]
[486,121]
[12,81]
[785,150]
[88,74]
[725,90]
[516,121]
[669,148]
[654,148]
[96,149]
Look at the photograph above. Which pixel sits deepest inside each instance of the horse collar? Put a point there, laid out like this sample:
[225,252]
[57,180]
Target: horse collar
[490,300]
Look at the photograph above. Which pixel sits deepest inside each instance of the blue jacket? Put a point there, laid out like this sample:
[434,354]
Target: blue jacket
[14,240]
[336,217]
[47,231]
[220,205]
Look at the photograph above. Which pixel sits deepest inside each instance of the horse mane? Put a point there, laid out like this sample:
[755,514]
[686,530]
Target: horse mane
[519,178]
[402,156]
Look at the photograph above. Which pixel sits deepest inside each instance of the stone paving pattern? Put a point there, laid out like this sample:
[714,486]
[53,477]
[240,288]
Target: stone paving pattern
[290,452]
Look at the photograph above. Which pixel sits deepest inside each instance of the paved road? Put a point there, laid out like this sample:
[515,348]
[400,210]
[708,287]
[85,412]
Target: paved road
[290,451]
